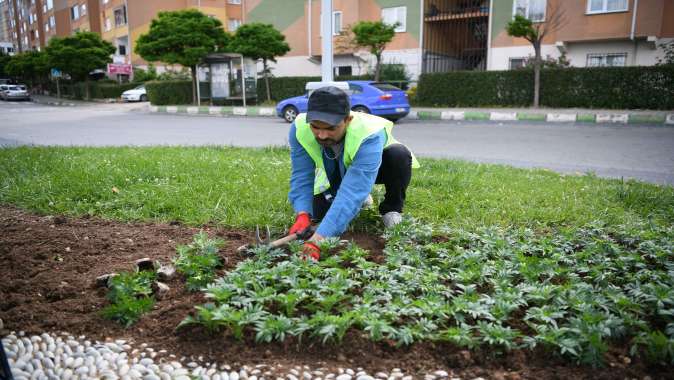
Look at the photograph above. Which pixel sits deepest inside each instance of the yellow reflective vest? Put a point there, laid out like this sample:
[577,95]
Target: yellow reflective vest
[360,128]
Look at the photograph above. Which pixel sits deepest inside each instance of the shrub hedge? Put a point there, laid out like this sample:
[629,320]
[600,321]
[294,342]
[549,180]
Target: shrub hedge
[163,93]
[605,87]
[96,90]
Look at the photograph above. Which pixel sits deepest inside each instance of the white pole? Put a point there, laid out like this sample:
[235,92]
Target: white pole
[326,33]
[309,31]
[243,80]
[198,89]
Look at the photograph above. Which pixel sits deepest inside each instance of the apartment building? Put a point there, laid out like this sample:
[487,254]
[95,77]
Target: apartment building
[6,46]
[589,33]
[33,22]
[300,22]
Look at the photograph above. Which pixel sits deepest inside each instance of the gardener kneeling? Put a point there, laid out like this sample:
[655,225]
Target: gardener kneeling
[337,156]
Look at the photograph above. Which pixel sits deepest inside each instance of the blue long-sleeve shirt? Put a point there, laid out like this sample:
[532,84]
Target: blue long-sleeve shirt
[357,181]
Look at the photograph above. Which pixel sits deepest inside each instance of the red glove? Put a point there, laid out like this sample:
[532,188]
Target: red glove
[301,226]
[310,251]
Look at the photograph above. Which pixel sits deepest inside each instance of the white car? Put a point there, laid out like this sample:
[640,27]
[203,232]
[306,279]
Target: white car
[137,94]
[15,92]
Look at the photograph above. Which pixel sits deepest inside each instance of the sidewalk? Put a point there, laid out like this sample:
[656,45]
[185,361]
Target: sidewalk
[571,115]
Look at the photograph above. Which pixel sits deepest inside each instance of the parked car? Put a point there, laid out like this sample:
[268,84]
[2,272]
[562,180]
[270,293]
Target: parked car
[377,98]
[3,88]
[14,92]
[137,94]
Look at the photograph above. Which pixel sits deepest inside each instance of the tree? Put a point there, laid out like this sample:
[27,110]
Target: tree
[79,54]
[260,41]
[668,49]
[374,35]
[31,67]
[183,37]
[523,27]
[4,60]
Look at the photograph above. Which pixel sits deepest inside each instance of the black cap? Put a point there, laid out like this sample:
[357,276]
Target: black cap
[329,105]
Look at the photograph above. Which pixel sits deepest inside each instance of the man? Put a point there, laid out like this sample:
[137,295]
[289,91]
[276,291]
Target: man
[337,156]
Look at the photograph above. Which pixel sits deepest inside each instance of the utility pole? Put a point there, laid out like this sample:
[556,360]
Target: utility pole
[326,33]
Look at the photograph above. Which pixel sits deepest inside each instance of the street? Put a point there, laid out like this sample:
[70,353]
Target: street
[631,151]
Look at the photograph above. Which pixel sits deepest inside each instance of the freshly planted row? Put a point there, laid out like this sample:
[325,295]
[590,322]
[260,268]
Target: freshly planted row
[198,260]
[130,295]
[571,292]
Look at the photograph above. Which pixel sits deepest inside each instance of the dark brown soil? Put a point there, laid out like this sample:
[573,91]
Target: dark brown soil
[49,263]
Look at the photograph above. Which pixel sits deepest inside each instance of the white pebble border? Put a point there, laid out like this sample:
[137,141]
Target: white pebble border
[62,356]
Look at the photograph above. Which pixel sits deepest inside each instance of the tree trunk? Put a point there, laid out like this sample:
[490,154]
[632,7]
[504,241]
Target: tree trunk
[377,68]
[194,83]
[537,74]
[87,95]
[266,79]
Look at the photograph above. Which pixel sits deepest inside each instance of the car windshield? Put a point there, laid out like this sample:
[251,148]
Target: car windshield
[142,87]
[385,87]
[13,88]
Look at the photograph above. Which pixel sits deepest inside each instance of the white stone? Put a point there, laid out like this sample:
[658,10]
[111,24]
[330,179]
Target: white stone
[453,115]
[621,118]
[344,377]
[349,371]
[561,117]
[365,377]
[240,111]
[381,375]
[503,116]
[670,119]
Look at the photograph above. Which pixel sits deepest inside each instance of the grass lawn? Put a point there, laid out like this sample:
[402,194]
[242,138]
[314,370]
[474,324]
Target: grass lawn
[494,257]
[245,187]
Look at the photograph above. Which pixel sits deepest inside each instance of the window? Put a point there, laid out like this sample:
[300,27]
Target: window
[120,16]
[233,24]
[517,63]
[234,1]
[395,15]
[83,9]
[108,24]
[75,12]
[106,1]
[336,23]
[122,49]
[356,89]
[611,59]
[344,70]
[52,21]
[46,27]
[534,10]
[606,6]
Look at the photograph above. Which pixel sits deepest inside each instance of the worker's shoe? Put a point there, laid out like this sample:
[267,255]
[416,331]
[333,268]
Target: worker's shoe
[391,218]
[367,203]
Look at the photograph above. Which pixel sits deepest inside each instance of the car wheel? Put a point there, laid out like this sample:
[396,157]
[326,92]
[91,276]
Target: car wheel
[289,113]
[360,109]
[143,98]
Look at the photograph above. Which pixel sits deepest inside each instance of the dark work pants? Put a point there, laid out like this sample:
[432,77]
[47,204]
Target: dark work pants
[394,173]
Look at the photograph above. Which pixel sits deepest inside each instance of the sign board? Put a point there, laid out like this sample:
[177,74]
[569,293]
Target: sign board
[56,73]
[119,68]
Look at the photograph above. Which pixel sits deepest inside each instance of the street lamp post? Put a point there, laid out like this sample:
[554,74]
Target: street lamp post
[326,33]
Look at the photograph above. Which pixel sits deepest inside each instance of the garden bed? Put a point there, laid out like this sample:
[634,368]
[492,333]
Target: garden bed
[49,266]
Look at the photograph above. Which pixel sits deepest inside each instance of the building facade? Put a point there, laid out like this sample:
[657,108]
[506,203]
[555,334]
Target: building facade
[431,35]
[300,22]
[588,32]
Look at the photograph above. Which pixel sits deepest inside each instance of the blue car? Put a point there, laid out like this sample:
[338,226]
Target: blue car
[381,99]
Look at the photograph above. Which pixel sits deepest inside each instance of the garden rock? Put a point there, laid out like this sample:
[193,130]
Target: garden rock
[166,272]
[103,281]
[145,264]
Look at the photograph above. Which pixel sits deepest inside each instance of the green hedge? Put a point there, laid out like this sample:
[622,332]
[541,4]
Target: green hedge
[606,87]
[163,93]
[96,90]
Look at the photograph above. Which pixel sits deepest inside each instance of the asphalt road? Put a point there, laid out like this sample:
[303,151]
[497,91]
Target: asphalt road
[630,151]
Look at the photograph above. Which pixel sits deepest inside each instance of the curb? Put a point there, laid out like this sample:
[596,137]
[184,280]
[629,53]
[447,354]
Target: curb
[54,102]
[597,118]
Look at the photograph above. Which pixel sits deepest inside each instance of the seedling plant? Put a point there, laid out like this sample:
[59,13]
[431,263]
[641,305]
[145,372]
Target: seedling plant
[198,260]
[130,296]
[571,292]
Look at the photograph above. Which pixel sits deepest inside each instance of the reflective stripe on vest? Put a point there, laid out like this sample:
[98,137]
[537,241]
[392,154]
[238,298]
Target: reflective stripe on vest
[360,128]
